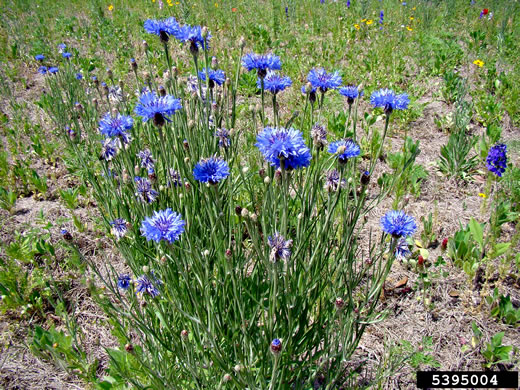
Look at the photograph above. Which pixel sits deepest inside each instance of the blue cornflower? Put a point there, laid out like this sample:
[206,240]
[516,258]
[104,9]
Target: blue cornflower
[280,248]
[53,69]
[319,78]
[274,83]
[163,225]
[496,160]
[193,35]
[381,17]
[157,108]
[146,286]
[123,281]
[110,148]
[146,158]
[389,101]
[398,224]
[402,251]
[287,144]
[79,76]
[175,178]
[348,3]
[61,47]
[346,148]
[223,138]
[332,181]
[162,28]
[211,170]
[116,126]
[144,189]
[261,62]
[39,57]
[66,55]
[215,76]
[42,70]
[351,92]
[119,227]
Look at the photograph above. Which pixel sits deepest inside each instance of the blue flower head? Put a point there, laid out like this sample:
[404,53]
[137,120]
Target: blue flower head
[276,346]
[66,55]
[348,149]
[39,57]
[261,62]
[53,69]
[164,225]
[157,108]
[145,285]
[116,126]
[215,76]
[211,170]
[389,101]
[61,47]
[319,78]
[146,158]
[274,83]
[162,28]
[280,247]
[398,224]
[223,138]
[123,281]
[145,192]
[42,70]
[79,76]
[287,144]
[351,92]
[119,227]
[110,148]
[193,35]
[496,160]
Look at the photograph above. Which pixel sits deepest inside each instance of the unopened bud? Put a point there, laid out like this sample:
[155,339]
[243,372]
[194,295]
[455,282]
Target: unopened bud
[137,170]
[253,217]
[204,32]
[242,42]
[145,45]
[146,269]
[237,368]
[184,334]
[244,213]
[214,62]
[227,378]
[129,348]
[340,303]
[228,253]
[162,91]
[186,160]
[267,180]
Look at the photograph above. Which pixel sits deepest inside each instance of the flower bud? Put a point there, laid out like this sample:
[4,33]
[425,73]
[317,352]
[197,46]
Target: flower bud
[238,210]
[444,244]
[308,88]
[365,178]
[214,62]
[204,32]
[242,42]
[237,368]
[162,91]
[146,269]
[145,45]
[187,185]
[276,346]
[95,103]
[186,144]
[163,259]
[244,213]
[129,348]
[253,217]
[340,303]
[184,334]
[206,252]
[227,378]
[228,253]
[109,73]
[186,160]
[133,64]
[245,170]
[267,180]
[137,170]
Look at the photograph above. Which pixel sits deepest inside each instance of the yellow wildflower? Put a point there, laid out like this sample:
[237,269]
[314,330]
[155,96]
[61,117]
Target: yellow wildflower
[363,20]
[413,9]
[411,18]
[357,26]
[110,7]
[479,63]
[216,5]
[482,195]
[409,28]
[369,22]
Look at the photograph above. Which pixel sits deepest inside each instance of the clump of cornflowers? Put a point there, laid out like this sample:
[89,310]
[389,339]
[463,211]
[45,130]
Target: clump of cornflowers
[216,76]
[319,78]
[119,227]
[145,192]
[110,148]
[157,108]
[277,144]
[333,182]
[274,82]
[164,225]
[145,285]
[116,125]
[345,149]
[496,160]
[351,92]
[389,100]
[146,158]
[262,63]
[319,136]
[162,28]
[398,224]
[211,170]
[223,138]
[280,247]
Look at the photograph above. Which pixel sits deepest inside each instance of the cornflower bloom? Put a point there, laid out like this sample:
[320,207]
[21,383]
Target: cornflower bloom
[144,189]
[223,138]
[280,248]
[164,225]
[261,62]
[274,83]
[211,170]
[116,126]
[319,78]
[162,28]
[277,144]
[496,160]
[123,281]
[193,35]
[158,108]
[215,76]
[346,148]
[389,101]
[332,182]
[146,286]
[119,227]
[398,224]
[351,92]
[39,57]
[146,158]
[110,148]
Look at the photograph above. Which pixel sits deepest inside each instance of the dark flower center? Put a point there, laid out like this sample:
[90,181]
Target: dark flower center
[262,73]
[163,36]
[158,119]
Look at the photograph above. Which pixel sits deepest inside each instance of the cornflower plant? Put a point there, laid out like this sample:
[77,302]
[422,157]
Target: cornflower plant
[252,276]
